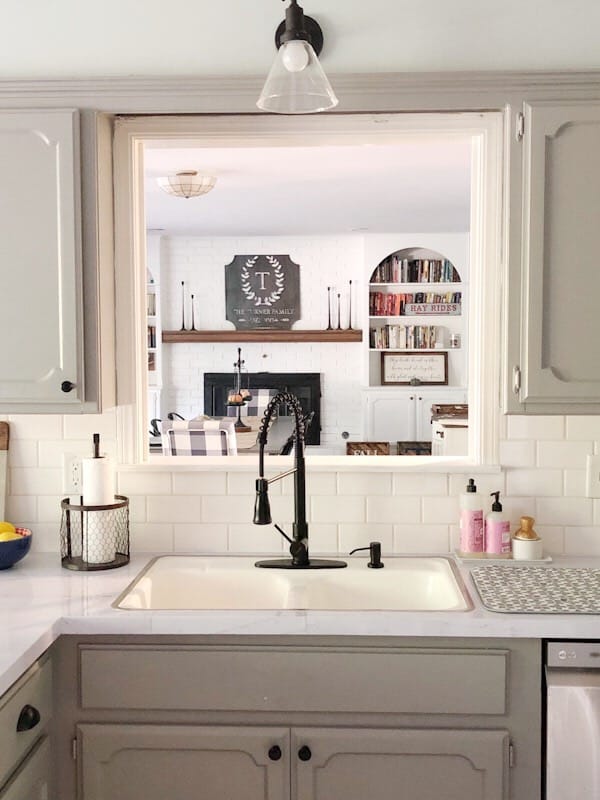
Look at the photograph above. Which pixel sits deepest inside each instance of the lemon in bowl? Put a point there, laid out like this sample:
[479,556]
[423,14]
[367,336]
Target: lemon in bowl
[15,543]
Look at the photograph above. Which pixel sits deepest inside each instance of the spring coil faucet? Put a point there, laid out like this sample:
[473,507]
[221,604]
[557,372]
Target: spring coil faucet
[262,509]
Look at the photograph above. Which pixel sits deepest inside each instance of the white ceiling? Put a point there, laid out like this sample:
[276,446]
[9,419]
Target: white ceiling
[416,186]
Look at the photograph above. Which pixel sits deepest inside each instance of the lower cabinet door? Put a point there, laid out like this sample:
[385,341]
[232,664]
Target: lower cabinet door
[183,762]
[32,779]
[417,764]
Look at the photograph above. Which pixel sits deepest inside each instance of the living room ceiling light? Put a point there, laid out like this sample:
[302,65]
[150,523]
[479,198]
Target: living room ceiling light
[297,83]
[187,184]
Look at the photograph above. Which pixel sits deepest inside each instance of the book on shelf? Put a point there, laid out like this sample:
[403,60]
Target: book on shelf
[415,270]
[404,337]
[393,304]
[151,304]
[151,335]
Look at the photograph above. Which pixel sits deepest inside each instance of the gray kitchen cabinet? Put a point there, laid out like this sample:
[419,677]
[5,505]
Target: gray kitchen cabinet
[25,714]
[126,762]
[32,779]
[552,363]
[355,718]
[415,764]
[49,304]
[183,762]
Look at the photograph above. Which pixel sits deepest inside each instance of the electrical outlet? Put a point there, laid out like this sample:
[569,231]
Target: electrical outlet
[71,474]
[592,477]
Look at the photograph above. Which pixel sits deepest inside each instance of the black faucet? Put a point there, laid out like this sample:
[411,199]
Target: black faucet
[262,509]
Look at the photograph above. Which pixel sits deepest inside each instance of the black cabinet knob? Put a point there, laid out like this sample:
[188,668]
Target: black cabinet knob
[275,752]
[28,718]
[67,386]
[304,754]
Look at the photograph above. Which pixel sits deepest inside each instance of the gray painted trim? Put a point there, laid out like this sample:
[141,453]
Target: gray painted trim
[357,92]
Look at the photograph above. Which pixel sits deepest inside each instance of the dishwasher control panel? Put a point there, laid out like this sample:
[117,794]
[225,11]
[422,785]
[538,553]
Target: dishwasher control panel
[580,655]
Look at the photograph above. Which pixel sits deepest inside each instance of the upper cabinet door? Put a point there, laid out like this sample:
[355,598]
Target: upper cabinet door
[560,280]
[41,360]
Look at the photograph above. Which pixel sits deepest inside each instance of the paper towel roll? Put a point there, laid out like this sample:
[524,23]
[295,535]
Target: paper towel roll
[98,490]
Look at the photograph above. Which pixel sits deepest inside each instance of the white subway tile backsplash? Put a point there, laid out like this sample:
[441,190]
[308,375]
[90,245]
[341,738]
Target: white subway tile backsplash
[36,426]
[534,482]
[24,453]
[338,509]
[256,539]
[538,428]
[171,509]
[84,426]
[440,510]
[553,539]
[517,453]
[486,484]
[21,509]
[35,481]
[49,510]
[323,538]
[354,535]
[393,509]
[584,427]
[317,483]
[564,511]
[421,539]
[364,483]
[151,537]
[200,483]
[201,537]
[419,484]
[217,509]
[583,540]
[563,454]
[144,482]
[574,483]
[46,539]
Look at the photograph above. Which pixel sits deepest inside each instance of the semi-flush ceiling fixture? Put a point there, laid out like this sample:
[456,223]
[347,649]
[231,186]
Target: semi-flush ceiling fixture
[187,184]
[296,83]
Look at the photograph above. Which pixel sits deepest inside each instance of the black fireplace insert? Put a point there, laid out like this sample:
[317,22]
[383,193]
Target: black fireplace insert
[305,385]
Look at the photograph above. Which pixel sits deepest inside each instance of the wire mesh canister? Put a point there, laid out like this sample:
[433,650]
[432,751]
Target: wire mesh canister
[94,537]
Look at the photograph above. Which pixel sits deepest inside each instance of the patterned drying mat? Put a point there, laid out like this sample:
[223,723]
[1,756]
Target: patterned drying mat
[538,590]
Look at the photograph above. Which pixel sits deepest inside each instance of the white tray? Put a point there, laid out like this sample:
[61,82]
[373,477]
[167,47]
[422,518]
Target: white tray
[515,563]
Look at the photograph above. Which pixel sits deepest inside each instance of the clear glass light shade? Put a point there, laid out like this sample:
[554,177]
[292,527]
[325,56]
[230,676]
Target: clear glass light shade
[187,184]
[296,83]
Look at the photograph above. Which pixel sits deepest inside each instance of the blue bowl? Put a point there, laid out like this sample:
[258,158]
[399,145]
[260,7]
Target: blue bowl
[15,549]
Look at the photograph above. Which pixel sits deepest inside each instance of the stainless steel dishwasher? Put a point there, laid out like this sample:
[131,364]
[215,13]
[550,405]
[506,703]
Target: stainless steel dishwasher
[573,721]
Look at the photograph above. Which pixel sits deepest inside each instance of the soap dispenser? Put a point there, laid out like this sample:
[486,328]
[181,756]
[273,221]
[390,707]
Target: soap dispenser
[471,522]
[526,544]
[497,531]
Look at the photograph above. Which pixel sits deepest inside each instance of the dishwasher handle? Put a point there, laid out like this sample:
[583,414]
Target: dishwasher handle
[573,655]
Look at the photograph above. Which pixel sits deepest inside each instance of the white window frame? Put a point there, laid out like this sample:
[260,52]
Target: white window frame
[486,267]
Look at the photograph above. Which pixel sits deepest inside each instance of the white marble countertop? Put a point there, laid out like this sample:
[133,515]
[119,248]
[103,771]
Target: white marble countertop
[41,600]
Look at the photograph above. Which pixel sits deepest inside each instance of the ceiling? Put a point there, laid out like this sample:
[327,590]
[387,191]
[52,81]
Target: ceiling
[419,185]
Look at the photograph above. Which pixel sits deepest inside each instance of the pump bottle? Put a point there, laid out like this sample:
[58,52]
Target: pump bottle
[471,522]
[497,531]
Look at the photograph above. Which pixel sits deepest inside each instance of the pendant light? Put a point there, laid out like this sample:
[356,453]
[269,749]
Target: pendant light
[296,83]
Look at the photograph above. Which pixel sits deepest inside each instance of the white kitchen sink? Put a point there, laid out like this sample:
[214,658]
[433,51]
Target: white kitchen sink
[406,583]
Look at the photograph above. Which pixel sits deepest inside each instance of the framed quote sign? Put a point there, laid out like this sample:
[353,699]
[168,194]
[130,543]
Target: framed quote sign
[414,369]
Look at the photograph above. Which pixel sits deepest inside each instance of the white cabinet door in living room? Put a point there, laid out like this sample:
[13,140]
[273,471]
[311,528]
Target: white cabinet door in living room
[41,361]
[412,764]
[554,281]
[183,762]
[390,416]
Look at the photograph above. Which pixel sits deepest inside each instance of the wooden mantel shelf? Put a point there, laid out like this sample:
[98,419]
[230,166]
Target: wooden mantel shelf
[262,336]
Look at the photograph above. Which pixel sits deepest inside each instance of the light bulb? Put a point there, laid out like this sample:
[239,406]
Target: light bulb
[295,55]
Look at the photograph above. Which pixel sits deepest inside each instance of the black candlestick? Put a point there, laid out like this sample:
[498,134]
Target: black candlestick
[339,325]
[329,326]
[182,306]
[350,306]
[193,328]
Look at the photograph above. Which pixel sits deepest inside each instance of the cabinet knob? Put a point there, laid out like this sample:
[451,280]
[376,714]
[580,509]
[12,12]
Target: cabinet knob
[67,386]
[28,718]
[275,752]
[304,754]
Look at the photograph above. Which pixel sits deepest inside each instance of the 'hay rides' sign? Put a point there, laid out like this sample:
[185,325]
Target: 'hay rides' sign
[262,292]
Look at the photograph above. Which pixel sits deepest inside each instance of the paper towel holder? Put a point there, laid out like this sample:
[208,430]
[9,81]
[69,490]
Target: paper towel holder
[82,524]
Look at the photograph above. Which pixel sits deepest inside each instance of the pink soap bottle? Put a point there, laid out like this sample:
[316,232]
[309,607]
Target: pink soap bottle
[497,531]
[471,522]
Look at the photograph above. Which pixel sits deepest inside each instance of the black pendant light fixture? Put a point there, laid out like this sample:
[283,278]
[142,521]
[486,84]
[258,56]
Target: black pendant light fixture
[296,83]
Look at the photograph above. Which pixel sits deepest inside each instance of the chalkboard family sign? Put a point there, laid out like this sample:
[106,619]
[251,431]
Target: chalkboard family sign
[262,292]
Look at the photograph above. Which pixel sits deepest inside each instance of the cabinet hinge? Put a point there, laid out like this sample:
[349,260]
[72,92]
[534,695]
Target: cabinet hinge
[74,749]
[511,754]
[520,126]
[516,380]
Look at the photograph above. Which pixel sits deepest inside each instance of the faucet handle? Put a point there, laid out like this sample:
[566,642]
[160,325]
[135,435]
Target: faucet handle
[374,549]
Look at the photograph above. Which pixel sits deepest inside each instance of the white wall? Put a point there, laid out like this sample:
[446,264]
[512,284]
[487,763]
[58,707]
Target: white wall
[324,261]
[204,37]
